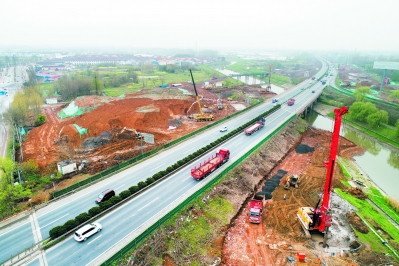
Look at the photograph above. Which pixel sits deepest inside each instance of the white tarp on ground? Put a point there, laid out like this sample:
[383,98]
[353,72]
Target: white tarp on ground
[238,106]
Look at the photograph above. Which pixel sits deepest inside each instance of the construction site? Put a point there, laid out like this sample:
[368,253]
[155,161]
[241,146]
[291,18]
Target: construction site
[103,131]
[289,171]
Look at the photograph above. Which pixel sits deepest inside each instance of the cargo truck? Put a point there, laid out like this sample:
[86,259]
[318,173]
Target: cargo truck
[210,164]
[291,102]
[255,127]
[256,209]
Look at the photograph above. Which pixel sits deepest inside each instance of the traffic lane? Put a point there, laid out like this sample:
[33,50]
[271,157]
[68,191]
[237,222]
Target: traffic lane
[69,211]
[116,226]
[12,241]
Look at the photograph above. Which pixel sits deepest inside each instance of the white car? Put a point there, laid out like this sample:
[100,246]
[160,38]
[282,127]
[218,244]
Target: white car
[223,129]
[87,231]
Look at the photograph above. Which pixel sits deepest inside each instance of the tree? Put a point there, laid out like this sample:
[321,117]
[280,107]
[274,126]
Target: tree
[394,95]
[97,85]
[361,93]
[360,111]
[10,196]
[378,118]
[397,128]
[40,120]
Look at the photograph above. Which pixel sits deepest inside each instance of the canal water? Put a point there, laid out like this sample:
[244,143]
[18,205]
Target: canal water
[251,80]
[379,162]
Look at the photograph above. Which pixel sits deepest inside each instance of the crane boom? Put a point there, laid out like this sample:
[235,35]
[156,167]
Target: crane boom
[325,207]
[196,94]
[320,218]
[201,116]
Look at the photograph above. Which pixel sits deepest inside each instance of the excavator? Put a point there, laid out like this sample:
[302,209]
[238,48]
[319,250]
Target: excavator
[320,218]
[201,116]
[291,181]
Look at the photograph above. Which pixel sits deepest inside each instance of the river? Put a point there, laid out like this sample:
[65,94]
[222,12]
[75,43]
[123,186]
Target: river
[379,162]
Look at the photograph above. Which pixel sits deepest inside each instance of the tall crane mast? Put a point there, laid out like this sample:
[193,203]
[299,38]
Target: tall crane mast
[201,116]
[321,218]
[269,86]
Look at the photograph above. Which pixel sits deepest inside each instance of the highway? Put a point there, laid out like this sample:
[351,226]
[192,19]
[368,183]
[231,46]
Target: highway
[127,219]
[10,85]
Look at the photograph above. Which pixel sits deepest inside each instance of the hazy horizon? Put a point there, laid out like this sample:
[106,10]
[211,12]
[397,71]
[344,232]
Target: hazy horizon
[285,25]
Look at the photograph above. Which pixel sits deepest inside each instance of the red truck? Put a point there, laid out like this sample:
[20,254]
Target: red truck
[256,209]
[291,102]
[210,164]
[255,127]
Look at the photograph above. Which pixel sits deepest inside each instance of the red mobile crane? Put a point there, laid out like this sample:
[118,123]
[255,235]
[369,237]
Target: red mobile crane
[320,218]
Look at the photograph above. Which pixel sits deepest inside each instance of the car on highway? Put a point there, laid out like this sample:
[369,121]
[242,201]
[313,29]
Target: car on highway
[105,195]
[313,91]
[87,231]
[223,129]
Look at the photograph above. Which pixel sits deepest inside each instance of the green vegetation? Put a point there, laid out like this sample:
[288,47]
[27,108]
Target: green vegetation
[279,79]
[376,219]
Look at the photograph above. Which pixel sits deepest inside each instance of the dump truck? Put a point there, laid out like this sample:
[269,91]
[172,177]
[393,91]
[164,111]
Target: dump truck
[256,209]
[291,102]
[255,127]
[210,164]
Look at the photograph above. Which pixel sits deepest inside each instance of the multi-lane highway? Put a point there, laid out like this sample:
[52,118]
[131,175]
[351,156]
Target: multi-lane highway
[9,85]
[123,222]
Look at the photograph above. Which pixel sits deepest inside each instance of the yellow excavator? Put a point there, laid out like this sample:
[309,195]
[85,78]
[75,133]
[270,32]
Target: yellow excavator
[291,181]
[201,116]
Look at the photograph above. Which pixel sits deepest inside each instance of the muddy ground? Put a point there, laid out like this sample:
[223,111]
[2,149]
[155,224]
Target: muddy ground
[112,122]
[279,235]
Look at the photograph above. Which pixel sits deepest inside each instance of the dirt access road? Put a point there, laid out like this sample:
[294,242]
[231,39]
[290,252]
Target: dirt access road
[279,234]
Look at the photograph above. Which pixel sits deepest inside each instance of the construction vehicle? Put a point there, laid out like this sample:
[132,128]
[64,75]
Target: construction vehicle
[269,86]
[291,181]
[201,116]
[291,102]
[255,127]
[321,218]
[256,209]
[210,164]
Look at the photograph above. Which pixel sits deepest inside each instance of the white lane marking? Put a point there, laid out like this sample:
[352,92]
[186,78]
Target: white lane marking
[15,228]
[36,224]
[119,187]
[156,167]
[237,143]
[147,204]
[94,240]
[54,221]
[187,151]
[186,179]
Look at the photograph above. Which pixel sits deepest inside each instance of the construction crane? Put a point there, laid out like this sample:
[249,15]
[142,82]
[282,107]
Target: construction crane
[321,218]
[269,86]
[201,116]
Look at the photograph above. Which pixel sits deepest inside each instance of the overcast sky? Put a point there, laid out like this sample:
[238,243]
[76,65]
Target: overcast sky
[206,24]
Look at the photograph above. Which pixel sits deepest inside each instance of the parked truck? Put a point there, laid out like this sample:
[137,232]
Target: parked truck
[291,102]
[210,164]
[256,209]
[255,127]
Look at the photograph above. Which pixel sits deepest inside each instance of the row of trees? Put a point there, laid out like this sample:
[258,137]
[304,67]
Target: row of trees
[26,103]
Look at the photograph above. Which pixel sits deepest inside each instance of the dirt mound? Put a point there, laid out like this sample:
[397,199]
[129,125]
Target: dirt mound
[356,192]
[356,222]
